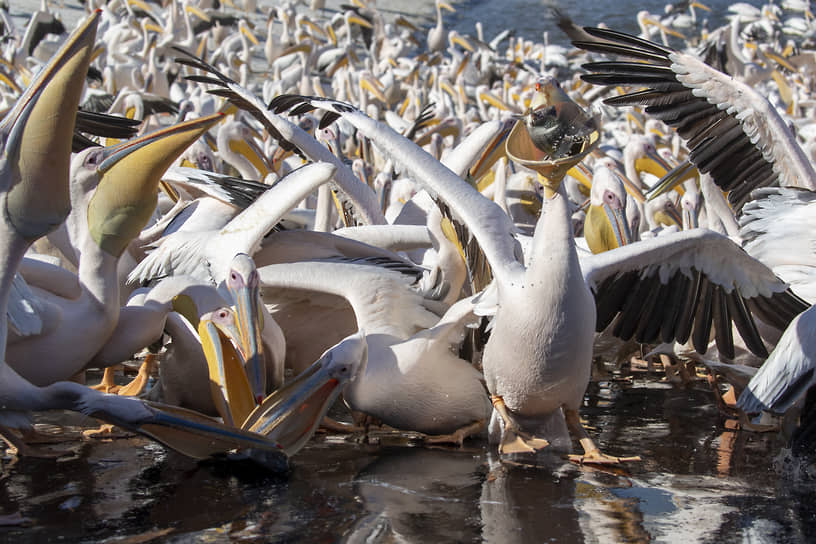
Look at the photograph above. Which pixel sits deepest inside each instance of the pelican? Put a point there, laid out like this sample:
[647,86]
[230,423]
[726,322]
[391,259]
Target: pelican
[537,359]
[113,195]
[40,126]
[438,35]
[412,381]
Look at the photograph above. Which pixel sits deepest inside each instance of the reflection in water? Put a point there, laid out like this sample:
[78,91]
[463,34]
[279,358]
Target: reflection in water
[699,482]
[419,495]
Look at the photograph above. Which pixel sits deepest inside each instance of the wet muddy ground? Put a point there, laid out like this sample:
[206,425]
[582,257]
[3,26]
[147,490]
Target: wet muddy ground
[698,482]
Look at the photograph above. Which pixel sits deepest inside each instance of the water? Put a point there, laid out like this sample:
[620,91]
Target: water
[698,482]
[531,19]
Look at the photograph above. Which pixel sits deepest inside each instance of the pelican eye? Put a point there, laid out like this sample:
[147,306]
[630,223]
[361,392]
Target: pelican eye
[93,159]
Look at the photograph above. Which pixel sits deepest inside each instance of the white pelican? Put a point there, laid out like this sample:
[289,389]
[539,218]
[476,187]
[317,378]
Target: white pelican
[40,126]
[438,34]
[412,380]
[113,192]
[732,131]
[537,360]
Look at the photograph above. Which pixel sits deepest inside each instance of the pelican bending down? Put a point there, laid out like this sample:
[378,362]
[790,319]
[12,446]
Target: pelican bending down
[412,380]
[538,357]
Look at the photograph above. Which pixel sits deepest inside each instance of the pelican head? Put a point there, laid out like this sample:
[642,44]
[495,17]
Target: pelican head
[37,135]
[290,415]
[606,226]
[229,385]
[243,284]
[127,177]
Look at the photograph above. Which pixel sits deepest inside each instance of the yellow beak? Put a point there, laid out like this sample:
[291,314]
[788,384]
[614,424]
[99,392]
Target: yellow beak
[130,173]
[38,134]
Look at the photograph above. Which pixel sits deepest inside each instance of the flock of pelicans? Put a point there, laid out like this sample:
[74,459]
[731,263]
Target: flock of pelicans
[444,229]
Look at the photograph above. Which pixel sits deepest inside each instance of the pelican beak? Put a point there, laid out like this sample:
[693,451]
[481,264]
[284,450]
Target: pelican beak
[357,20]
[652,163]
[606,227]
[405,23]
[462,41]
[193,10]
[669,217]
[229,385]
[700,5]
[153,27]
[446,6]
[291,414]
[38,135]
[315,28]
[492,152]
[129,178]
[198,436]
[248,33]
[249,324]
[373,87]
[253,153]
[674,177]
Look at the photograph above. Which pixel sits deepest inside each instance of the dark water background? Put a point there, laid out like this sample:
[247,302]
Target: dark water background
[698,482]
[531,19]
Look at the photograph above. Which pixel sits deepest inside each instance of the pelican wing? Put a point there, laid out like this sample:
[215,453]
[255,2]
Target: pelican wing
[382,300]
[290,137]
[230,189]
[677,286]
[488,223]
[789,371]
[731,130]
[23,311]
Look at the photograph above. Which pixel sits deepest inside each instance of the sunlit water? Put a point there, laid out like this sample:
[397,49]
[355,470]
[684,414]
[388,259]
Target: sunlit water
[698,482]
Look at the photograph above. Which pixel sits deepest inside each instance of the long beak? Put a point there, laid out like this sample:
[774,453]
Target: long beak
[130,173]
[252,152]
[493,151]
[198,436]
[446,6]
[229,386]
[38,134]
[606,228]
[291,414]
[357,20]
[250,36]
[669,217]
[652,163]
[672,179]
[249,324]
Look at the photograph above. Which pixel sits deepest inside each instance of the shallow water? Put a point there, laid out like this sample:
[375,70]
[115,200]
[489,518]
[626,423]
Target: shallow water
[698,482]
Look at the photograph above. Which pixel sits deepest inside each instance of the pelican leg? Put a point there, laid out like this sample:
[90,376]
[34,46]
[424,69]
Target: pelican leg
[18,444]
[139,383]
[514,440]
[108,383]
[592,455]
[458,436]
